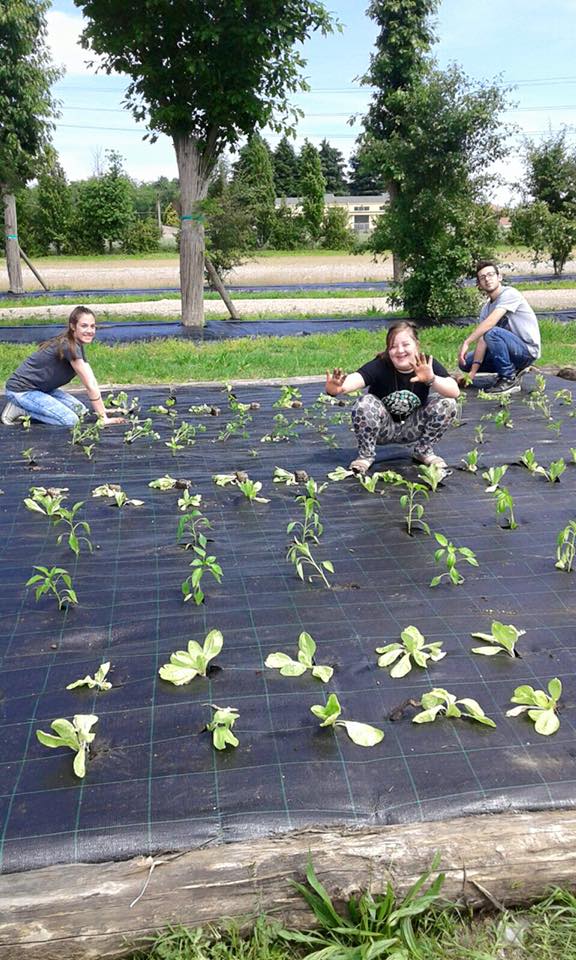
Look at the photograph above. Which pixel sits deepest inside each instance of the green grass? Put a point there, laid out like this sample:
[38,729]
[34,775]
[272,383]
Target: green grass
[104,317]
[178,361]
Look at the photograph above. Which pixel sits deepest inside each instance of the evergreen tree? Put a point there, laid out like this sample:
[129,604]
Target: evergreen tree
[333,169]
[312,190]
[286,169]
[54,215]
[366,176]
[104,209]
[254,182]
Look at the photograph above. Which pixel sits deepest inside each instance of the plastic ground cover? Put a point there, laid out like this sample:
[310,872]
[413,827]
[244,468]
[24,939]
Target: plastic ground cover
[154,782]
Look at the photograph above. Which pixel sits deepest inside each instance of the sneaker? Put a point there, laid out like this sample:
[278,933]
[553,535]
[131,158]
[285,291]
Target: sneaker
[11,414]
[361,465]
[429,458]
[504,386]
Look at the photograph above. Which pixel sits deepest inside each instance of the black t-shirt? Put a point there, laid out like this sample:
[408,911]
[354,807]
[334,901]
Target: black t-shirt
[45,370]
[384,380]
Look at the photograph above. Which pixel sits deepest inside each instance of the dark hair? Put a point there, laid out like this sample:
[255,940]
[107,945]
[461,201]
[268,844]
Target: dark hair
[482,264]
[395,329]
[67,338]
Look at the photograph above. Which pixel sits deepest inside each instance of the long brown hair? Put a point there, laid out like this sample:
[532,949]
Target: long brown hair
[393,331]
[67,338]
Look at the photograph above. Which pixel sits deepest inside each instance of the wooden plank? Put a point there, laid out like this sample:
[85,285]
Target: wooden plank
[83,911]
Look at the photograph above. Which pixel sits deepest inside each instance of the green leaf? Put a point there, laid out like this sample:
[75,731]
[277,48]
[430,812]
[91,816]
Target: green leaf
[546,722]
[213,644]
[362,734]
[401,668]
[307,647]
[51,741]
[487,651]
[177,675]
[555,689]
[79,764]
[324,673]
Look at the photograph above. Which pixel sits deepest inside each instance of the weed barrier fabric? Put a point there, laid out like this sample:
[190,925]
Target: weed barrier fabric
[126,332]
[154,783]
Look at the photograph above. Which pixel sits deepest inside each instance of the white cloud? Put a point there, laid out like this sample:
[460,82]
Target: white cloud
[63,35]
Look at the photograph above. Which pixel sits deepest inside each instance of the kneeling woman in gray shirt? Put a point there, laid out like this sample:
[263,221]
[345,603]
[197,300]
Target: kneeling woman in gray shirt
[34,387]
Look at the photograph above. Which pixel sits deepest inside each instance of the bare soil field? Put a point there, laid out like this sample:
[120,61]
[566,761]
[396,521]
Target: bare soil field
[126,274]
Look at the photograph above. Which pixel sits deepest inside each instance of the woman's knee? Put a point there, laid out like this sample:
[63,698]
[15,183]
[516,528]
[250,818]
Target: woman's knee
[446,407]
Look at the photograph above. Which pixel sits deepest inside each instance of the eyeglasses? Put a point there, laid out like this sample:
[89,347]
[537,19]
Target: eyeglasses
[487,275]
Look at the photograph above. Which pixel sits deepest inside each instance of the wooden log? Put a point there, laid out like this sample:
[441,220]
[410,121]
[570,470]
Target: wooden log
[98,911]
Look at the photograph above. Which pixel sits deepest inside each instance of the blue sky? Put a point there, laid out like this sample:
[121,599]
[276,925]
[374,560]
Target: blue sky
[526,42]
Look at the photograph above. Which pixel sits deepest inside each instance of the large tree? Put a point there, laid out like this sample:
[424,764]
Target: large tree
[333,169]
[254,186]
[286,169]
[312,190]
[206,73]
[26,110]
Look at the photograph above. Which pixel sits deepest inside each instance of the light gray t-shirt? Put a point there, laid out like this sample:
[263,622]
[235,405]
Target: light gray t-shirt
[519,318]
[45,369]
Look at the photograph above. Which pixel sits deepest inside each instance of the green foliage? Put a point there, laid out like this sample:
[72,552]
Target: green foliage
[286,169]
[114,492]
[97,682]
[540,707]
[254,183]
[493,476]
[550,171]
[502,639]
[220,726]
[362,734]
[399,656]
[295,668]
[104,208]
[414,510]
[56,581]
[186,664]
[470,461]
[336,232]
[77,736]
[566,547]
[312,190]
[438,702]
[505,502]
[449,554]
[371,927]
[54,210]
[333,168]
[288,229]
[141,236]
[551,236]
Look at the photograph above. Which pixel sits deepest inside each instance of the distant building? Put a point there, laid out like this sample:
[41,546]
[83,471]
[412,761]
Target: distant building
[363,212]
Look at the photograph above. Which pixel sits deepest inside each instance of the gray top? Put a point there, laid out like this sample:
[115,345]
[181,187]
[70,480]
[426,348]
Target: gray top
[519,318]
[44,370]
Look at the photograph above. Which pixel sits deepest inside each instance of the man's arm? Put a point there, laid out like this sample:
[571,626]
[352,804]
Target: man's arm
[479,330]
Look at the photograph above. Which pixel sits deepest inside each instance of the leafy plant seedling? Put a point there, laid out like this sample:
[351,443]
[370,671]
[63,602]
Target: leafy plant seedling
[300,554]
[289,397]
[438,702]
[220,726]
[140,431]
[528,460]
[470,461]
[56,581]
[566,547]
[362,734]
[370,483]
[284,476]
[115,492]
[449,553]
[98,681]
[163,483]
[414,510]
[251,490]
[340,473]
[399,656]
[47,502]
[77,736]
[540,706]
[201,564]
[502,639]
[505,502]
[554,471]
[493,477]
[186,664]
[479,433]
[29,458]
[432,475]
[295,668]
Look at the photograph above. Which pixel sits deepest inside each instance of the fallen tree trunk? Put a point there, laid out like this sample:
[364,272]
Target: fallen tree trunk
[101,911]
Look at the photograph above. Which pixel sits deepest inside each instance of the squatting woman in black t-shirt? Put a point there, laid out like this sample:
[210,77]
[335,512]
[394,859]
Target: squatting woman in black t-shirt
[411,399]
[34,388]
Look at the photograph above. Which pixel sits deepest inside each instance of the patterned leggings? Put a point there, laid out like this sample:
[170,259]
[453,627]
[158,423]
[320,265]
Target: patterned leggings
[373,424]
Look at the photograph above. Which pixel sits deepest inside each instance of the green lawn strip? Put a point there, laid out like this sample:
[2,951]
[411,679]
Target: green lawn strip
[104,317]
[179,361]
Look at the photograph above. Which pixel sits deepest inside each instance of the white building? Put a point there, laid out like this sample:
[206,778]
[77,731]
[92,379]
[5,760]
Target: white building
[363,212]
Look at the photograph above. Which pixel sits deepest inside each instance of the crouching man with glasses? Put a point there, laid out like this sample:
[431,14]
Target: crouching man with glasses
[507,337]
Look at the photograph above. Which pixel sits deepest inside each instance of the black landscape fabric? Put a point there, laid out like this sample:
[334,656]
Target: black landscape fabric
[154,781]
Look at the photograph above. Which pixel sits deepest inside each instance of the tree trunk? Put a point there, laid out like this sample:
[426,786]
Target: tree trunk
[15,281]
[31,267]
[397,263]
[193,188]
[218,284]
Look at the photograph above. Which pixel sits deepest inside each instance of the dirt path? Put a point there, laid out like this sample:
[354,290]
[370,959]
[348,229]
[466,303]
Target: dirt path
[126,274]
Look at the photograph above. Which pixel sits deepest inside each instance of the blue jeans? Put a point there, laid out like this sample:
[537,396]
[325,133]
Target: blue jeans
[505,354]
[58,408]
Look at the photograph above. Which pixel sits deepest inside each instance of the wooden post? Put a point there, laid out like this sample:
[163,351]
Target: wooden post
[31,266]
[216,281]
[15,281]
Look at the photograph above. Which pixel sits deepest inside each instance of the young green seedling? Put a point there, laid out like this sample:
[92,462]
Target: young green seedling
[251,489]
[186,664]
[163,483]
[190,525]
[540,707]
[554,471]
[300,554]
[493,477]
[284,476]
[370,482]
[56,581]
[479,433]
[563,396]
[189,501]
[310,528]
[141,430]
[399,656]
[29,458]
[448,553]
[77,736]
[438,702]
[201,564]
[289,397]
[502,639]
[505,502]
[414,511]
[573,454]
[115,492]
[470,461]
[223,719]
[46,502]
[295,668]
[26,421]
[362,734]
[432,475]
[97,682]
[528,460]
[284,429]
[340,473]
[566,547]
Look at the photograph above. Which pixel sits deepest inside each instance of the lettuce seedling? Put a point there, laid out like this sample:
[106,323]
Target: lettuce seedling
[554,471]
[470,461]
[479,433]
[438,702]
[163,483]
[528,460]
[284,476]
[186,664]
[77,736]
[493,477]
[295,668]
[115,492]
[98,681]
[540,707]
[449,553]
[289,397]
[224,479]
[47,502]
[371,482]
[223,719]
[413,647]
[340,473]
[566,547]
[50,581]
[432,475]
[141,430]
[502,639]
[251,489]
[360,733]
